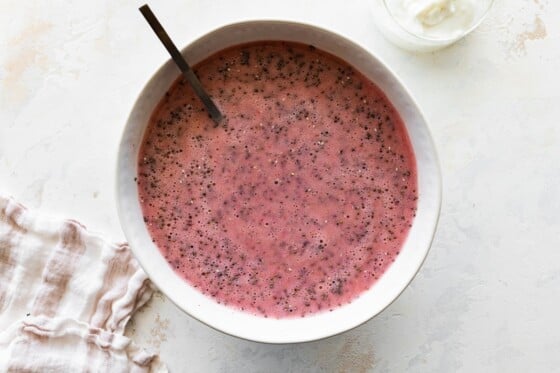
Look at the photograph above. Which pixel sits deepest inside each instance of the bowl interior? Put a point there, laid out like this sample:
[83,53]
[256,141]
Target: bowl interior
[242,324]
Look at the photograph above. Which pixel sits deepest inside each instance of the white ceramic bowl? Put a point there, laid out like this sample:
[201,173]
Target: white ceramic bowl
[245,325]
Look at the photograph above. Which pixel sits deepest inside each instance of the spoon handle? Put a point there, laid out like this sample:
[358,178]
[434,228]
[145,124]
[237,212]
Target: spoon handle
[189,74]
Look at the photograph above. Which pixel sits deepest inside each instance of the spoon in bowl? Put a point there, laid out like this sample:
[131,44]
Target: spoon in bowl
[188,73]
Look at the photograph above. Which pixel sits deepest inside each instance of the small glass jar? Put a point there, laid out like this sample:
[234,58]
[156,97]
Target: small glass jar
[440,26]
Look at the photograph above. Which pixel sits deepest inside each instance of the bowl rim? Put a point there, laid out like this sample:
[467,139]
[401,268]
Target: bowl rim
[329,330]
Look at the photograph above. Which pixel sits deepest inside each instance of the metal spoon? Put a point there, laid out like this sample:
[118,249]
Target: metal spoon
[188,73]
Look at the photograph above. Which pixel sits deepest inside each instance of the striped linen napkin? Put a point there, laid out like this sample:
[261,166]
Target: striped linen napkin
[65,298]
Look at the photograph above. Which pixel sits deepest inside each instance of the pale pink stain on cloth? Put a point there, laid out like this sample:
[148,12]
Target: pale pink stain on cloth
[66,296]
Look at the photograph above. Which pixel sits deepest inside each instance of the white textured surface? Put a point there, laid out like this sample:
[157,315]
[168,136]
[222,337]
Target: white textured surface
[487,298]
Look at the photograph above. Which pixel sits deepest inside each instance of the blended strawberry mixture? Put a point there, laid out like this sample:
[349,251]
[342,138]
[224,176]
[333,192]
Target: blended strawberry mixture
[298,201]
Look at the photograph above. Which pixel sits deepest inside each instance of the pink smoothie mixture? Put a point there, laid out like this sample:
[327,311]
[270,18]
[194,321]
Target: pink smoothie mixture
[297,202]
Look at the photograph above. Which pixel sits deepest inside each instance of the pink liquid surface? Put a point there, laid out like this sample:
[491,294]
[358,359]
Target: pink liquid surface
[299,201]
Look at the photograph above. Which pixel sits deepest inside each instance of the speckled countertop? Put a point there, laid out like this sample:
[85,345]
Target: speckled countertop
[487,298]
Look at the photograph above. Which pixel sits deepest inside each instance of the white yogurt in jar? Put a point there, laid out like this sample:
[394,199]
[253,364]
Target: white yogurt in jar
[437,19]
[436,23]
